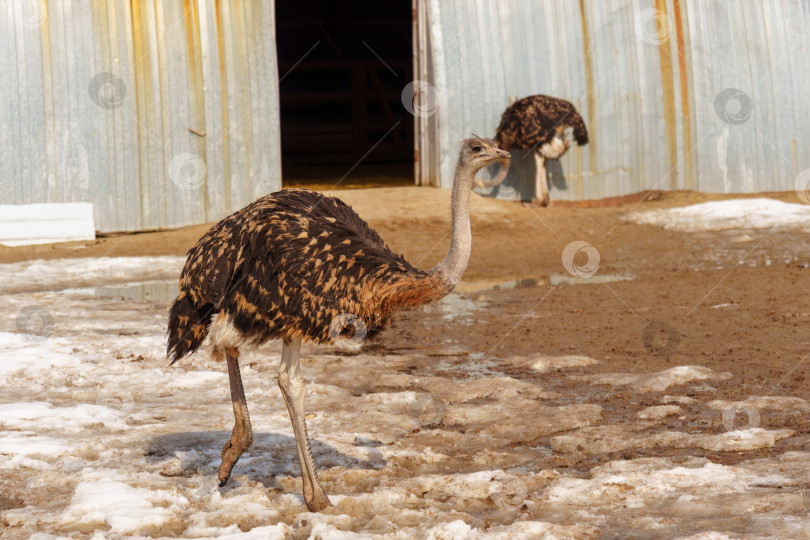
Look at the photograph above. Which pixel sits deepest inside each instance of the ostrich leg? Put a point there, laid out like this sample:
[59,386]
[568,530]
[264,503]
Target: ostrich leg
[541,180]
[242,436]
[292,387]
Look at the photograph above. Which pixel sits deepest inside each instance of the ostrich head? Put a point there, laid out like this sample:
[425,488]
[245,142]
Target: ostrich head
[477,152]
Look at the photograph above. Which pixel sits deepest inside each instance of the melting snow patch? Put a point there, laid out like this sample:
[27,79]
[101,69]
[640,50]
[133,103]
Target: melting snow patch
[614,438]
[193,379]
[693,497]
[773,403]
[243,505]
[494,388]
[40,415]
[659,381]
[120,506]
[640,479]
[603,439]
[21,357]
[280,531]
[710,535]
[496,420]
[742,440]
[683,400]
[730,214]
[658,412]
[58,274]
[26,443]
[543,363]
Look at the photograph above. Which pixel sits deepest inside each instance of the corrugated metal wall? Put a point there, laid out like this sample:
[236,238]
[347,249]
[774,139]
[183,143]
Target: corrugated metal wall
[709,95]
[161,113]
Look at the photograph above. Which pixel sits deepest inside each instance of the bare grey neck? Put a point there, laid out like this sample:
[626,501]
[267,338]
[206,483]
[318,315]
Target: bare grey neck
[452,267]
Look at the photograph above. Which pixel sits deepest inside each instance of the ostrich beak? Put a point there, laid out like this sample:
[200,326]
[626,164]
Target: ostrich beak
[496,154]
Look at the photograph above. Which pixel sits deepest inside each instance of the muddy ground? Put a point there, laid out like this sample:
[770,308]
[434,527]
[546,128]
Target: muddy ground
[761,277]
[734,301]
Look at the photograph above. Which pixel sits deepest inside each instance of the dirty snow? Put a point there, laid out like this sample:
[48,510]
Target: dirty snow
[729,214]
[660,381]
[58,274]
[99,436]
[120,506]
[542,363]
[658,412]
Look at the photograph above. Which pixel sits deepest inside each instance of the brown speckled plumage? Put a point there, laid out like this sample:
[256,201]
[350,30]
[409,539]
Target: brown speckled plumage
[298,265]
[535,120]
[285,266]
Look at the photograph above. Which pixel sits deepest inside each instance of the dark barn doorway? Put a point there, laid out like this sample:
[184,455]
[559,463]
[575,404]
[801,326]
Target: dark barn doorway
[342,68]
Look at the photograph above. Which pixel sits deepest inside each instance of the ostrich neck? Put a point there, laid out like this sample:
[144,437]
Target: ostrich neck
[455,262]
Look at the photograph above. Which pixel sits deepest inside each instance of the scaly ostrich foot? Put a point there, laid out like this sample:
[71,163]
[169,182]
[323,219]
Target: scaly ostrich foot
[231,453]
[242,434]
[292,388]
[317,502]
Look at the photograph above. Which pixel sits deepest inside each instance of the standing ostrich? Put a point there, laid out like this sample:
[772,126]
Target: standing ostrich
[537,123]
[297,265]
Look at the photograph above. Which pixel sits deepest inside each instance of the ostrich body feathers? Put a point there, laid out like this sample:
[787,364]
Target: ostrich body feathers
[286,266]
[536,121]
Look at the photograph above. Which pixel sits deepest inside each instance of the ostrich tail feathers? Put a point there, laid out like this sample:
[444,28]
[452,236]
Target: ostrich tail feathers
[188,326]
[580,131]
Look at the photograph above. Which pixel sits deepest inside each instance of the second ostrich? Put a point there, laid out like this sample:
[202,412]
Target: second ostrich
[538,124]
[298,265]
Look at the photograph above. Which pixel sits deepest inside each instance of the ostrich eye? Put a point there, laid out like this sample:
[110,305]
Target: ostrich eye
[476,148]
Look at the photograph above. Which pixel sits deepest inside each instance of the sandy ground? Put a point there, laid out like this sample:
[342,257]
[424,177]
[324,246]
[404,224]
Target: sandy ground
[664,396]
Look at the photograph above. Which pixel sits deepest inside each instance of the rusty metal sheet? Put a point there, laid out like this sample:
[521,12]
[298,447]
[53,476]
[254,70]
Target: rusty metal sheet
[161,114]
[677,94]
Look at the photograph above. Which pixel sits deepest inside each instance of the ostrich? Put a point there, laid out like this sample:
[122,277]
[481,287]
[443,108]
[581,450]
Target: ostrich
[537,123]
[298,265]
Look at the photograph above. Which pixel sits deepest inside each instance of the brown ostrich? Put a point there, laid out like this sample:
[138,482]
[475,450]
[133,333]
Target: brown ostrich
[537,123]
[298,265]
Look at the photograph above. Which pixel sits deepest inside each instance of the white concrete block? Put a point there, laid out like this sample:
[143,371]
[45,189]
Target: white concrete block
[25,224]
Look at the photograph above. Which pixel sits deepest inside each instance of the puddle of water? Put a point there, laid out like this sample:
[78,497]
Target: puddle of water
[487,285]
[557,280]
[455,308]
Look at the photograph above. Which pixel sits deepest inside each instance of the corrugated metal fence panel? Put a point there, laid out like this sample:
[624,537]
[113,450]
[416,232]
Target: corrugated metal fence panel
[654,80]
[161,114]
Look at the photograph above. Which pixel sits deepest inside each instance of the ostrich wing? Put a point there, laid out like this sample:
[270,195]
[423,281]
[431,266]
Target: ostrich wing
[534,120]
[290,263]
